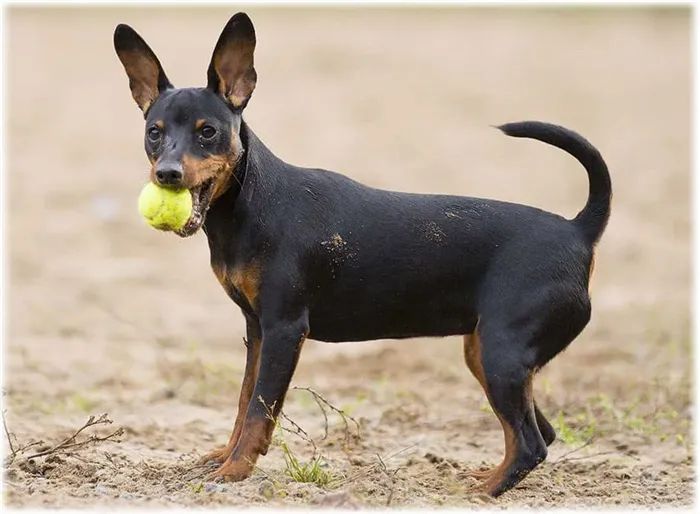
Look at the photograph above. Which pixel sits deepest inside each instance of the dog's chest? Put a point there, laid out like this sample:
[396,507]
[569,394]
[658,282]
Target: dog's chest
[241,282]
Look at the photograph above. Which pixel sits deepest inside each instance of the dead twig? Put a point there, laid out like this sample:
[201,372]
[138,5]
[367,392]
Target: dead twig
[323,404]
[24,448]
[403,450]
[13,453]
[68,445]
[392,478]
[71,443]
[299,432]
[598,454]
[380,466]
[384,468]
[584,445]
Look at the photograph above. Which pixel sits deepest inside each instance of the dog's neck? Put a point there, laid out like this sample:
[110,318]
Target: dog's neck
[254,175]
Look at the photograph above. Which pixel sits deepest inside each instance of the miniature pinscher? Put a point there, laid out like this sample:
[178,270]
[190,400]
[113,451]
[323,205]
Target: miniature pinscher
[309,253]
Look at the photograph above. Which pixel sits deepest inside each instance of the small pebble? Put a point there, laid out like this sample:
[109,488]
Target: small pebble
[215,487]
[434,459]
[101,490]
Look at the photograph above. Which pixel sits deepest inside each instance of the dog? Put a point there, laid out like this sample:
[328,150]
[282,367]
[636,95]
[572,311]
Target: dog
[313,254]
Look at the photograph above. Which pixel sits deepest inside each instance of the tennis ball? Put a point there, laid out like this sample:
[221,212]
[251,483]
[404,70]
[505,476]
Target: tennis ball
[165,209]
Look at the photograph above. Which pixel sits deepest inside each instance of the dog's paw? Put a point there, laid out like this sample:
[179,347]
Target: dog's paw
[217,456]
[232,471]
[482,474]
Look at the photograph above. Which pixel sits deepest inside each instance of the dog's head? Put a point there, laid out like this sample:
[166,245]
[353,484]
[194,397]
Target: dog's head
[192,135]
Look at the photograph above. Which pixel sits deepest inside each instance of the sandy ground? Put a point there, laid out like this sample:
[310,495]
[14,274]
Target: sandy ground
[106,315]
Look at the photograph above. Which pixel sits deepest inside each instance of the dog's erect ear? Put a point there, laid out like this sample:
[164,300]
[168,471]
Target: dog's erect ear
[146,76]
[231,72]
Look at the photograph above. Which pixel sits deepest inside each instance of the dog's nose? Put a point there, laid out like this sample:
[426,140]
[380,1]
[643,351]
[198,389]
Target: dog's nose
[169,174]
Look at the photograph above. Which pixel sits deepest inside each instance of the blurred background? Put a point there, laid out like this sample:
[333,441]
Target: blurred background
[109,315]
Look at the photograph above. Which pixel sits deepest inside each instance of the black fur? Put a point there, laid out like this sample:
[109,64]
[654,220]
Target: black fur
[334,260]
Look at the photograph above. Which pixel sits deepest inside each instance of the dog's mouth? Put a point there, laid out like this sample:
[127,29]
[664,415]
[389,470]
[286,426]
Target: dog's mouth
[201,199]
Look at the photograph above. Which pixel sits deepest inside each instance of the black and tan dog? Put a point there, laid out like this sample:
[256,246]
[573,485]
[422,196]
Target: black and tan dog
[308,253]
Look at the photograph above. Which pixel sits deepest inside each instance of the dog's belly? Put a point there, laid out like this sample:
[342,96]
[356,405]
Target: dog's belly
[346,321]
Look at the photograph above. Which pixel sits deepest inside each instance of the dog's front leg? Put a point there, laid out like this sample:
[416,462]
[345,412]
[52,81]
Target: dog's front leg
[253,343]
[281,345]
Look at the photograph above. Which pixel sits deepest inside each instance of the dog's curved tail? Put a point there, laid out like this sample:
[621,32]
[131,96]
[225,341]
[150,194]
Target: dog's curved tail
[593,219]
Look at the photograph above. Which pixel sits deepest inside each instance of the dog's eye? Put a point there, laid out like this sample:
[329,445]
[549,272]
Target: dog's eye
[208,132]
[154,134]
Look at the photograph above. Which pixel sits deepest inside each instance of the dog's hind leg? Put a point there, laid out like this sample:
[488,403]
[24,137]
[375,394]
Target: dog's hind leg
[546,428]
[507,380]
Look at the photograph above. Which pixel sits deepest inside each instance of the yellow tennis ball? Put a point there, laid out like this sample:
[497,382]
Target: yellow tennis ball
[165,209]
